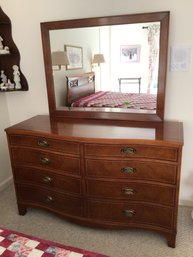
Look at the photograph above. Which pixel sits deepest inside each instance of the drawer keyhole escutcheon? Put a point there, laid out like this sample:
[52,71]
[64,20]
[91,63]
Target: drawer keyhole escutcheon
[44,160]
[129,213]
[128,150]
[43,142]
[128,170]
[47,179]
[128,191]
[49,199]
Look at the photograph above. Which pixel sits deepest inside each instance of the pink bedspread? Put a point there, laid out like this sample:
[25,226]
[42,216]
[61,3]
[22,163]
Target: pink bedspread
[118,100]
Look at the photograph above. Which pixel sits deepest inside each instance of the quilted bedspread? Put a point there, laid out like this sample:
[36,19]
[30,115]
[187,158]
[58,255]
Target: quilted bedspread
[15,244]
[118,100]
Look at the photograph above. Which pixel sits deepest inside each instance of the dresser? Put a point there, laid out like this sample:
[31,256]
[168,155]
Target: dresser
[99,174]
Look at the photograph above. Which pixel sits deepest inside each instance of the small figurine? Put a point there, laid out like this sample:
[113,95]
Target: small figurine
[3,87]
[10,85]
[3,77]
[3,50]
[16,77]
[3,84]
[6,50]
[1,42]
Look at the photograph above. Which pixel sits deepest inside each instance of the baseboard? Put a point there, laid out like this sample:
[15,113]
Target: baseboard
[6,183]
[186,203]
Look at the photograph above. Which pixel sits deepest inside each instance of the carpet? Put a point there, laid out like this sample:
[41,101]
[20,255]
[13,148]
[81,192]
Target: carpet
[16,244]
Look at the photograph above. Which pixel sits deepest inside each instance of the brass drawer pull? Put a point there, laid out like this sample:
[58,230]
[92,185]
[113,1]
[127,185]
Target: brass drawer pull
[128,191]
[129,213]
[128,170]
[43,142]
[128,150]
[44,160]
[49,199]
[47,179]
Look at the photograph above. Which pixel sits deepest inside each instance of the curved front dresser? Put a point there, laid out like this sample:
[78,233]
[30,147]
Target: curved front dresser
[102,180]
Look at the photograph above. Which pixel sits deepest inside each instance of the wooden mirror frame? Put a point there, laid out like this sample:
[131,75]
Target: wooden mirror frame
[136,115]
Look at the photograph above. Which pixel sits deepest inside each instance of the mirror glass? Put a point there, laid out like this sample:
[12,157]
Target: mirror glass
[124,56]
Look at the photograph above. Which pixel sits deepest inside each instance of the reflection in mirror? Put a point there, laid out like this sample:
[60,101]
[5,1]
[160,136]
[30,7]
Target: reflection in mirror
[130,64]
[130,77]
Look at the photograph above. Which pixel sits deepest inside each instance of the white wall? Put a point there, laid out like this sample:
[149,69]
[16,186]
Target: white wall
[5,168]
[121,69]
[26,17]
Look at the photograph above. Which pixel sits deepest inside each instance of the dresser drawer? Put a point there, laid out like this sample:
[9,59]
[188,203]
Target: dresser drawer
[44,143]
[130,190]
[48,179]
[132,169]
[131,213]
[37,196]
[47,160]
[128,151]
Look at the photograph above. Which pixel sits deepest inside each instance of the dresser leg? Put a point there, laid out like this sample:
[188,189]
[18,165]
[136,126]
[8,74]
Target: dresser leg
[171,240]
[21,209]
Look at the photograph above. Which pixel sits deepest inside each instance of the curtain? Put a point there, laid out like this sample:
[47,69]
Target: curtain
[153,41]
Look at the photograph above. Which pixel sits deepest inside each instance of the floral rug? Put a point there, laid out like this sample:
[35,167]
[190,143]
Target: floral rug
[16,244]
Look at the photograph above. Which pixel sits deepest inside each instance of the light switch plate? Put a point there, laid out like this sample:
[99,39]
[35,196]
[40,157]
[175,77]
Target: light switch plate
[180,58]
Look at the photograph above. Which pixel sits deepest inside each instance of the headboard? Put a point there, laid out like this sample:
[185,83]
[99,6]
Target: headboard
[80,86]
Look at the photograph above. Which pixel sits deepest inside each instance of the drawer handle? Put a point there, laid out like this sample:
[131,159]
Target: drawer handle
[43,142]
[129,213]
[47,179]
[128,150]
[128,191]
[44,160]
[128,170]
[49,199]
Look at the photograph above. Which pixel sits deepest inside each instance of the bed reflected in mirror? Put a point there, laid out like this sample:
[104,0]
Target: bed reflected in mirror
[124,57]
[81,92]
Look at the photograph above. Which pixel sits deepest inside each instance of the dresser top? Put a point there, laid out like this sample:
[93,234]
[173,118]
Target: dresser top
[86,130]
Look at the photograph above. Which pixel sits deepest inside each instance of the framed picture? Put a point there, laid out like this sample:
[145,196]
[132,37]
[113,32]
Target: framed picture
[130,53]
[75,57]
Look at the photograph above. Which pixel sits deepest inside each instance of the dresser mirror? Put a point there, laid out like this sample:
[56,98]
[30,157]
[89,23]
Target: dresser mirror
[134,48]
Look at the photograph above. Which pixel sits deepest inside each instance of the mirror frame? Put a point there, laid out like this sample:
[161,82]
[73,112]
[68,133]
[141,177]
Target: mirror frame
[135,115]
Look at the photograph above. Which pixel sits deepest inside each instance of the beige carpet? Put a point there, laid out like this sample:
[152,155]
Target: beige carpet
[121,243]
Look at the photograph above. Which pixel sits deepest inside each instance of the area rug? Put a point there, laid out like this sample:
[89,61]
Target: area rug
[16,244]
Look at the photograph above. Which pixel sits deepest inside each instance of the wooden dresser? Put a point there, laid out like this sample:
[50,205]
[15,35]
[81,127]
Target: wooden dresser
[99,174]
